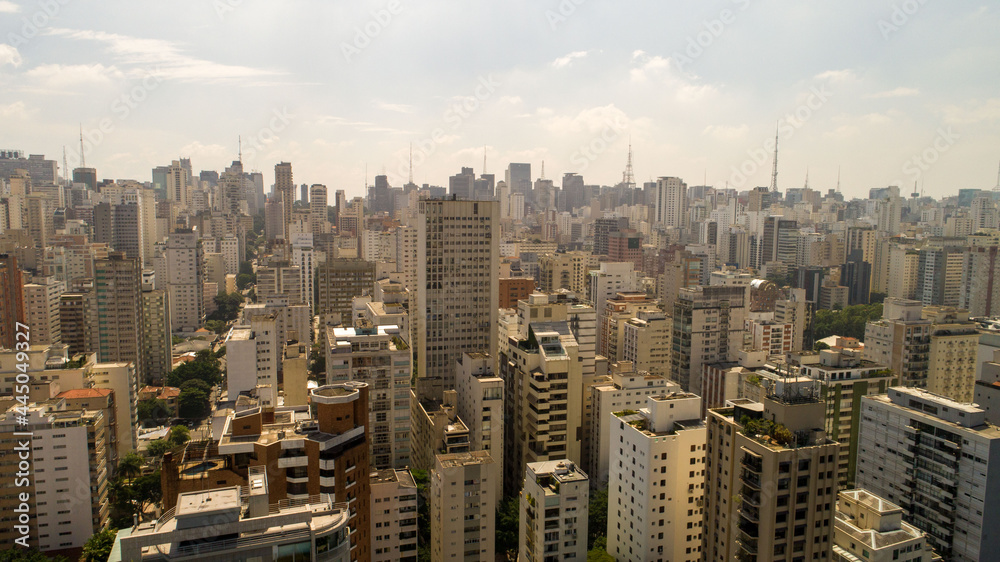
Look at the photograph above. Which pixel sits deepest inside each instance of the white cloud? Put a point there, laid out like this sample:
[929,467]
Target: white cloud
[9,55]
[512,100]
[15,110]
[7,7]
[396,107]
[895,93]
[649,66]
[63,76]
[161,58]
[836,76]
[588,121]
[563,62]
[973,112]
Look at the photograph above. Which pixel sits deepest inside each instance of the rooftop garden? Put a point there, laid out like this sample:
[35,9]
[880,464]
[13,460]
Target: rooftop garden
[767,431]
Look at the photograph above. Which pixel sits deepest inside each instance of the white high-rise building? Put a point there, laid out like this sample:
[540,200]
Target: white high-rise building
[252,359]
[463,506]
[480,406]
[605,283]
[393,515]
[121,378]
[670,202]
[184,257]
[627,390]
[656,484]
[41,309]
[553,512]
[940,461]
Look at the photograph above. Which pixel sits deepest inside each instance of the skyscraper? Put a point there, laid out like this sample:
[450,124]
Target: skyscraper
[184,261]
[518,178]
[317,209]
[284,187]
[119,307]
[670,206]
[458,288]
[11,300]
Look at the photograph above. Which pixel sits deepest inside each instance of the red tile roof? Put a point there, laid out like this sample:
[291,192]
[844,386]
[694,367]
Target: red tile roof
[84,393]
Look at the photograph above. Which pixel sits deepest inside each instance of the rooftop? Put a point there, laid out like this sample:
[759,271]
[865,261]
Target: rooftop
[453,460]
[78,393]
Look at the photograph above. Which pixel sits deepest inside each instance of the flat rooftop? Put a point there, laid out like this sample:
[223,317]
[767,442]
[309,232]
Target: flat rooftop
[192,503]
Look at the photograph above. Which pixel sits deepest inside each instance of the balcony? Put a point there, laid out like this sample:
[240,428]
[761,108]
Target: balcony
[750,479]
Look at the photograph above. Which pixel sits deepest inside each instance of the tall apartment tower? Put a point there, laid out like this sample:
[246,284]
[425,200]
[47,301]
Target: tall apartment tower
[11,300]
[463,506]
[118,290]
[338,281]
[670,204]
[770,479]
[185,290]
[518,178]
[656,484]
[156,337]
[553,512]
[68,490]
[606,282]
[940,461]
[708,328]
[177,184]
[317,209]
[480,406]
[41,304]
[376,355]
[980,290]
[458,288]
[901,340]
[284,187]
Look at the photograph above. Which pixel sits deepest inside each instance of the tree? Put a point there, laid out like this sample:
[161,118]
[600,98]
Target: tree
[157,448]
[26,555]
[599,551]
[129,466]
[192,403]
[243,280]
[422,479]
[154,409]
[221,352]
[217,326]
[849,322]
[597,515]
[98,546]
[227,306]
[507,522]
[205,367]
[317,366]
[179,435]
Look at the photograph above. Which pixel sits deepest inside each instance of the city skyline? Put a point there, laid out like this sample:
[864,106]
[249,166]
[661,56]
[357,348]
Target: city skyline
[901,98]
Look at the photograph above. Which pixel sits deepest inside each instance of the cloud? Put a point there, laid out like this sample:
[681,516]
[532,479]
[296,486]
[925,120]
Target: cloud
[161,58]
[15,110]
[649,66]
[563,62]
[588,121]
[9,55]
[397,107]
[973,112]
[836,76]
[7,7]
[63,76]
[512,100]
[895,93]
[726,132]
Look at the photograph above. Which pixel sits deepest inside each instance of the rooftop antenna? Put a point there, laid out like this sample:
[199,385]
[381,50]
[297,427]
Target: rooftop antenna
[239,145]
[484,159]
[543,170]
[627,176]
[996,188]
[411,163]
[838,179]
[774,172]
[65,167]
[83,157]
[806,186]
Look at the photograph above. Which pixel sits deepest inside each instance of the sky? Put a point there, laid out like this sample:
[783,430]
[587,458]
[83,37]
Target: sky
[874,92]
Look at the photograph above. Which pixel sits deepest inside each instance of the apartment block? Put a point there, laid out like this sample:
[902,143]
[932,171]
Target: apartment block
[480,406]
[624,389]
[771,479]
[436,428]
[656,484]
[553,512]
[252,360]
[566,270]
[871,528]
[463,506]
[378,356]
[937,459]
[184,260]
[708,328]
[394,516]
[41,308]
[646,341]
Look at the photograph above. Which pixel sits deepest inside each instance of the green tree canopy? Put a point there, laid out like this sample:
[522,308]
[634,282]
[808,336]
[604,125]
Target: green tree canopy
[205,367]
[599,551]
[227,306]
[597,515]
[848,322]
[507,521]
[153,409]
[98,546]
[179,435]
